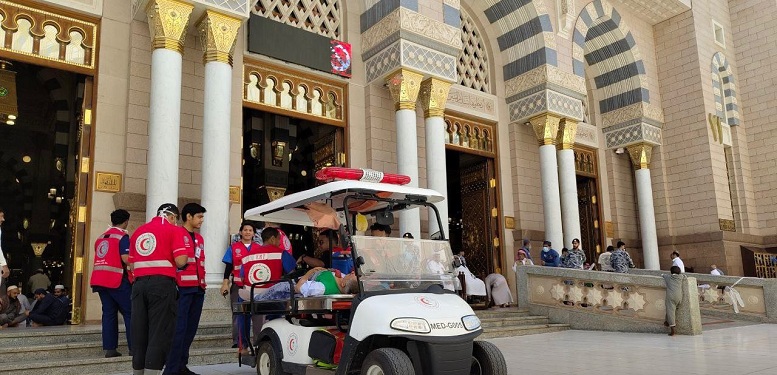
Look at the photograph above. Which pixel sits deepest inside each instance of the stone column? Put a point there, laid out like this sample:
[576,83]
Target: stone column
[404,86]
[434,94]
[640,157]
[546,128]
[218,34]
[167,20]
[570,212]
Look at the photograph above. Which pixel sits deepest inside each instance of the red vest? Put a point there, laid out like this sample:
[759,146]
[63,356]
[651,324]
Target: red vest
[263,264]
[194,273]
[107,269]
[239,251]
[155,245]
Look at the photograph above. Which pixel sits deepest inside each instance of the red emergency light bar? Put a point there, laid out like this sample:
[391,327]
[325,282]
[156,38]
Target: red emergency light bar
[368,175]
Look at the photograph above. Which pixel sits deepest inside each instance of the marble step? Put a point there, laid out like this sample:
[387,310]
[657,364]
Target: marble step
[522,330]
[25,336]
[93,349]
[513,321]
[500,313]
[102,366]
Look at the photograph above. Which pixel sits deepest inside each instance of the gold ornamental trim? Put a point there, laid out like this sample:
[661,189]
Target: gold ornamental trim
[433,96]
[404,86]
[640,154]
[471,136]
[546,128]
[218,35]
[67,49]
[168,21]
[567,130]
[278,89]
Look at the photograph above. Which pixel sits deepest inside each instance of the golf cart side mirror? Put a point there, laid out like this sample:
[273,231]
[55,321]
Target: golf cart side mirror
[384,218]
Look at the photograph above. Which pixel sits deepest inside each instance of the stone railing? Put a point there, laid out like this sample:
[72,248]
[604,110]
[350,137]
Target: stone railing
[605,301]
[758,296]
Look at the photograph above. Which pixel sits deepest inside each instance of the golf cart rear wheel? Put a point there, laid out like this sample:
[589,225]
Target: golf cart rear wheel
[487,359]
[267,360]
[387,361]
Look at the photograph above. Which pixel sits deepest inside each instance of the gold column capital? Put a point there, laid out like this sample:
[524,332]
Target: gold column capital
[218,35]
[434,95]
[167,21]
[404,86]
[640,154]
[567,129]
[546,128]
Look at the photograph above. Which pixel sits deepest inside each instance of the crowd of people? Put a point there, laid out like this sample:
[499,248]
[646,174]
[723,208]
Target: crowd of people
[155,278]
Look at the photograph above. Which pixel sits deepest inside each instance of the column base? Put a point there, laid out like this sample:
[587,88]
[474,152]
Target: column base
[216,309]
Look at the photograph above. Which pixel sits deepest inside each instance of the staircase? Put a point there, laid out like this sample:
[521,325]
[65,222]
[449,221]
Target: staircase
[510,322]
[78,350]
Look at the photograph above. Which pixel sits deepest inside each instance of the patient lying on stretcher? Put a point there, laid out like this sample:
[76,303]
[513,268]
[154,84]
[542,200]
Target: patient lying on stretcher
[318,281]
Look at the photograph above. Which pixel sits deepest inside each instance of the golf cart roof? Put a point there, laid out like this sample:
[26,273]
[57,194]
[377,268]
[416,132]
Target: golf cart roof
[296,208]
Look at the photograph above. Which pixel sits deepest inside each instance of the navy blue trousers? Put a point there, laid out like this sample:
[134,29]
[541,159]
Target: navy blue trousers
[116,301]
[190,300]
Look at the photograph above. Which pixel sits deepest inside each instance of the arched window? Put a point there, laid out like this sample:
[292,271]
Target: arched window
[473,64]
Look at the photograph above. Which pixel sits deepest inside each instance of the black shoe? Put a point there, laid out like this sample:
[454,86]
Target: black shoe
[186,371]
[234,346]
[112,353]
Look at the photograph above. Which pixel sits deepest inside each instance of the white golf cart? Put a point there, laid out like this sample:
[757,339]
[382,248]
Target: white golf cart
[405,318]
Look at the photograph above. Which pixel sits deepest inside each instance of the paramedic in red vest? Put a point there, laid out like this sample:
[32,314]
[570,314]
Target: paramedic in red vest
[191,292]
[267,262]
[158,249]
[111,281]
[232,260]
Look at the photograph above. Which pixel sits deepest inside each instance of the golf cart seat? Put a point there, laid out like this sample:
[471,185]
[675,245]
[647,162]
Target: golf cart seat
[296,305]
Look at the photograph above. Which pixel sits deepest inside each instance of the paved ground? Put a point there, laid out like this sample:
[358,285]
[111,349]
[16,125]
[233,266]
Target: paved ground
[737,350]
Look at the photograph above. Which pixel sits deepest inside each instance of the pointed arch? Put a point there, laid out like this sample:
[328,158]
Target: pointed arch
[604,46]
[724,87]
[526,35]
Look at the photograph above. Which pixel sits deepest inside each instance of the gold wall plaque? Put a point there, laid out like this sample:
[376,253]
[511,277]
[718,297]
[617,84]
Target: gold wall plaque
[108,182]
[727,225]
[608,229]
[234,194]
[509,222]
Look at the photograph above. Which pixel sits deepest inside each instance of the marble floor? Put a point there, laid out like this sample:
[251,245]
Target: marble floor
[738,350]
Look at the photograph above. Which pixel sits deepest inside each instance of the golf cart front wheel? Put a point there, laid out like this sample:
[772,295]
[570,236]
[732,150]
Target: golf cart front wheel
[267,361]
[387,361]
[487,359]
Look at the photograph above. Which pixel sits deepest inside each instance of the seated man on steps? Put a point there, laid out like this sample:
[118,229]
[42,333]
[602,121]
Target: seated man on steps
[48,310]
[11,310]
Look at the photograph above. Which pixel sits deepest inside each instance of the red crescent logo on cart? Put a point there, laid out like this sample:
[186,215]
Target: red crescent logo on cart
[427,302]
[293,343]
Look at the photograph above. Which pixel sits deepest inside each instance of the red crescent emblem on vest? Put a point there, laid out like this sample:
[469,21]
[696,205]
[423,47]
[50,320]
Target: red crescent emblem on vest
[146,244]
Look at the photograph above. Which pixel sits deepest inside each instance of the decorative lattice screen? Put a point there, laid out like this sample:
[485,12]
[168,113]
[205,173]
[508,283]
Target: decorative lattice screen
[473,60]
[318,16]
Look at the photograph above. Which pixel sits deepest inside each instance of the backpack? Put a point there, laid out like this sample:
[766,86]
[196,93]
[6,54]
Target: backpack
[326,347]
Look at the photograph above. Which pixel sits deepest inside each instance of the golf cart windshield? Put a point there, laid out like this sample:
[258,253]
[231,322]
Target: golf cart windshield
[399,263]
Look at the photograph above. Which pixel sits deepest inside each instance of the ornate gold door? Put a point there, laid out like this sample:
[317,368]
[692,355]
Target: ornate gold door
[80,212]
[479,215]
[591,239]
[329,149]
